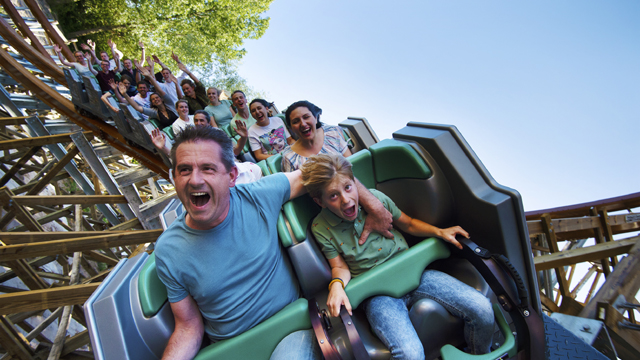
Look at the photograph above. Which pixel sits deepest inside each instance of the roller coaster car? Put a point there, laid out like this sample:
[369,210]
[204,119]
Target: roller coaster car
[432,174]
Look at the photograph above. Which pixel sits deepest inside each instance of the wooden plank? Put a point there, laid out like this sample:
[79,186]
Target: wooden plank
[129,224]
[52,200]
[19,22]
[51,31]
[606,232]
[103,241]
[625,202]
[47,219]
[74,342]
[46,299]
[599,236]
[22,215]
[13,342]
[14,169]
[100,257]
[550,233]
[44,181]
[13,238]
[624,280]
[576,224]
[39,141]
[590,253]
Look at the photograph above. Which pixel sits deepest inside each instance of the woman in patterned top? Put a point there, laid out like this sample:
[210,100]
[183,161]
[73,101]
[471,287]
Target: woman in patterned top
[313,137]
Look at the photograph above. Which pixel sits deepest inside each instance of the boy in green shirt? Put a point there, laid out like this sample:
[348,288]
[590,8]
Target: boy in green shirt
[330,182]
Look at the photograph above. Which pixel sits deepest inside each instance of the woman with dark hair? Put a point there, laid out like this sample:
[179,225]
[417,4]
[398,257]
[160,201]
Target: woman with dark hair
[313,136]
[268,136]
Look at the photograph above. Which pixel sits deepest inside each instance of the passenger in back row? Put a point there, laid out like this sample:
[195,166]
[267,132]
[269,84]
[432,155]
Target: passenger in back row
[220,110]
[330,182]
[268,136]
[313,137]
[240,102]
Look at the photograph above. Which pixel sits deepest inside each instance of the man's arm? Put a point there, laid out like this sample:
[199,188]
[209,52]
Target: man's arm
[141,44]
[295,181]
[379,219]
[185,341]
[64,62]
[88,59]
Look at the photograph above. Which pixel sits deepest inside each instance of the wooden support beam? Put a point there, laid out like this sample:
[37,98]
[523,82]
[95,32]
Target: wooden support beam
[13,238]
[40,141]
[45,219]
[129,224]
[561,275]
[74,342]
[26,187]
[624,280]
[14,169]
[590,253]
[24,29]
[46,299]
[21,251]
[606,232]
[44,181]
[13,342]
[23,216]
[599,236]
[100,257]
[30,200]
[51,31]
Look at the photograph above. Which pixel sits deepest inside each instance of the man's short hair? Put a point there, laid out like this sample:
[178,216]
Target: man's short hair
[315,111]
[319,171]
[143,82]
[192,134]
[206,115]
[238,91]
[163,69]
[187,81]
[128,78]
[104,52]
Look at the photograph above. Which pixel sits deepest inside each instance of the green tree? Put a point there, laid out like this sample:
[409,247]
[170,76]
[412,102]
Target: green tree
[197,31]
[225,77]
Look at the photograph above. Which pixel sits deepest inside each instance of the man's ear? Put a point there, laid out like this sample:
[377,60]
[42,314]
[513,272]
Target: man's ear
[319,202]
[233,176]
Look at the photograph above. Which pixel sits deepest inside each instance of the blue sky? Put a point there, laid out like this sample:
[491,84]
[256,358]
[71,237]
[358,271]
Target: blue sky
[547,93]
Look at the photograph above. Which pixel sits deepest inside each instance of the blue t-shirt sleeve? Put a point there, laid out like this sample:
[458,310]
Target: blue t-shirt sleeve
[270,192]
[175,291]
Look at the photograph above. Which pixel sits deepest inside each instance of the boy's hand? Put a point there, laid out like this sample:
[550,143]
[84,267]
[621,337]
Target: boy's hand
[449,235]
[337,298]
[380,221]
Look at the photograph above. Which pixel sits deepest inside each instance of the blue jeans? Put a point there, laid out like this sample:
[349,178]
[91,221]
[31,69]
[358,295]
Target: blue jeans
[389,317]
[299,345]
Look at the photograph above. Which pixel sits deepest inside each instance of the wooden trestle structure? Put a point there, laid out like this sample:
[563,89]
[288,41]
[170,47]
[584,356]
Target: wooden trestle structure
[110,211]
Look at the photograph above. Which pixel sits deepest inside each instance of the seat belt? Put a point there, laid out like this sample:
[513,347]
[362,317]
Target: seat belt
[321,324]
[500,274]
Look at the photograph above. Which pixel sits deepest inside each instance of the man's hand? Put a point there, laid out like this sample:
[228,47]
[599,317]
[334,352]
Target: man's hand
[141,44]
[155,58]
[87,57]
[150,62]
[122,88]
[57,48]
[91,44]
[84,46]
[449,235]
[144,72]
[112,84]
[182,67]
[175,58]
[380,221]
[111,44]
[241,128]
[337,298]
[157,137]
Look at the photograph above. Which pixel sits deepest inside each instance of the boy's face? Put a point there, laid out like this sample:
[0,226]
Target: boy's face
[341,197]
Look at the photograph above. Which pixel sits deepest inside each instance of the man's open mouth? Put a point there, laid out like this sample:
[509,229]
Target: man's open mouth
[199,198]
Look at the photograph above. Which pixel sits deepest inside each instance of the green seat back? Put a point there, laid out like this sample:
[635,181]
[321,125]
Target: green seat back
[274,163]
[363,168]
[259,342]
[300,211]
[153,293]
[262,164]
[393,159]
[169,131]
[155,123]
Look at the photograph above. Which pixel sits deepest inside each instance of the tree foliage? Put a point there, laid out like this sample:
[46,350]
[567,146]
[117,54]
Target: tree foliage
[225,77]
[196,30]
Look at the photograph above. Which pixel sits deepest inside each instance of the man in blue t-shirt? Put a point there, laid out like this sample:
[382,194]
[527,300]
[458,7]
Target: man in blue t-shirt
[221,261]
